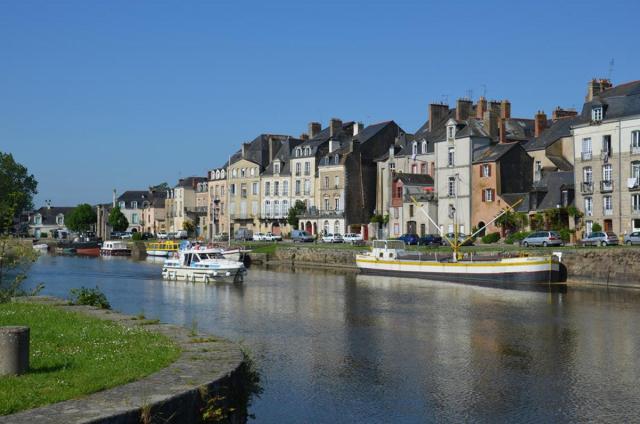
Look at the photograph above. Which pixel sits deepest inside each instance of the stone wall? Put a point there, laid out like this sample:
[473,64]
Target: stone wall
[613,266]
[307,255]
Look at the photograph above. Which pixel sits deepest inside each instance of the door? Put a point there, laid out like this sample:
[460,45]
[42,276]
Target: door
[412,227]
[608,225]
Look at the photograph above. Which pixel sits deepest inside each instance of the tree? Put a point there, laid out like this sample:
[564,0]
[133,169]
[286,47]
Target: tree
[189,227]
[81,218]
[117,220]
[294,212]
[15,258]
[159,187]
[17,188]
[596,227]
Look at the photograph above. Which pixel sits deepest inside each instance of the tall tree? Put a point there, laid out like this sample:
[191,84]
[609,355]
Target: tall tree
[117,220]
[160,187]
[294,212]
[17,188]
[81,218]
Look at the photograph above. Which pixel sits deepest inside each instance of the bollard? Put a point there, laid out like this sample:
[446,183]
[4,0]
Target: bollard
[14,350]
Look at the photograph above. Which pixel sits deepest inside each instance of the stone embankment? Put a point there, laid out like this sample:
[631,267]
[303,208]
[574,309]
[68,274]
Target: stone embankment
[604,266]
[208,371]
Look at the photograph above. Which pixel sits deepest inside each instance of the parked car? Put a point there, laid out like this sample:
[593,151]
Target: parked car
[632,238]
[171,236]
[162,235]
[115,235]
[258,237]
[332,238]
[430,240]
[182,234]
[272,237]
[600,238]
[301,236]
[221,237]
[243,234]
[409,239]
[542,238]
[352,238]
[463,239]
[126,235]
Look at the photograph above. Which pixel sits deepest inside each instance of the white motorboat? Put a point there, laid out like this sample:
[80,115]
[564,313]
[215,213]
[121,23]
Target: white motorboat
[202,264]
[115,248]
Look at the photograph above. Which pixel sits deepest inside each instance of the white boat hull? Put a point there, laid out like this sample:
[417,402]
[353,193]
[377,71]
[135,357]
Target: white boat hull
[201,275]
[159,253]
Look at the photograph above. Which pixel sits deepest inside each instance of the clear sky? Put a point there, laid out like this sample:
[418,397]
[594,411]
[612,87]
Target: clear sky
[97,95]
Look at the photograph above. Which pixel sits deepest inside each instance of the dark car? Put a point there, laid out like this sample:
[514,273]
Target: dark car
[430,240]
[409,239]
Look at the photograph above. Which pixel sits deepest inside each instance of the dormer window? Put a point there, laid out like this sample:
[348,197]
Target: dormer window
[222,174]
[336,159]
[60,219]
[121,204]
[37,219]
[134,205]
[414,148]
[424,147]
[596,114]
[298,152]
[276,167]
[451,132]
[307,151]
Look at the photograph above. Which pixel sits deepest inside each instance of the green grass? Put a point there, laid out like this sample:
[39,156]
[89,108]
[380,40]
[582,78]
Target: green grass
[72,355]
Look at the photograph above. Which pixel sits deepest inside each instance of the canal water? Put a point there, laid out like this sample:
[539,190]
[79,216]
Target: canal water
[336,347]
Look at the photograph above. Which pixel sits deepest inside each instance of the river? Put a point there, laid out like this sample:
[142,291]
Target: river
[336,347]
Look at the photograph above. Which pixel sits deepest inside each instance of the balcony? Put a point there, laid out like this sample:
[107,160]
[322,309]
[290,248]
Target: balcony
[307,192]
[607,212]
[635,211]
[537,176]
[635,150]
[606,186]
[323,213]
[586,188]
[586,156]
[242,216]
[605,155]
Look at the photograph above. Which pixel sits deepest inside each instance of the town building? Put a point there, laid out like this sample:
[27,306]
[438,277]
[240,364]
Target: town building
[131,204]
[218,222]
[47,220]
[181,205]
[413,205]
[607,156]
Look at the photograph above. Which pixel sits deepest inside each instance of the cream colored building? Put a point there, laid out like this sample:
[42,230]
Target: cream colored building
[218,222]
[244,194]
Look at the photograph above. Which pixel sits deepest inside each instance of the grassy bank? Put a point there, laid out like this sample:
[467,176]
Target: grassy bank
[72,355]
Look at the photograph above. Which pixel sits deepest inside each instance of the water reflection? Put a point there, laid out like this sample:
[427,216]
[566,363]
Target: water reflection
[333,346]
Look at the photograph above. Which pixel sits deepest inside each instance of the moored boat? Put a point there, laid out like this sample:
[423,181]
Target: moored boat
[389,257]
[115,248]
[201,264]
[162,248]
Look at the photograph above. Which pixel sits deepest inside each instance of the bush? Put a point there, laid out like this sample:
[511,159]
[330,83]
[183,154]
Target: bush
[44,235]
[565,235]
[137,236]
[91,297]
[596,227]
[491,238]
[516,237]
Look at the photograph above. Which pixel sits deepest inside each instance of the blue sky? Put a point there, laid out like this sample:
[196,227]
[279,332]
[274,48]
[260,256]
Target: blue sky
[99,95]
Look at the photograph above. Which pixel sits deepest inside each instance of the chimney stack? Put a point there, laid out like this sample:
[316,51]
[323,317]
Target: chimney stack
[495,107]
[490,122]
[273,147]
[502,129]
[357,127]
[595,87]
[437,113]
[505,109]
[335,125]
[464,108]
[540,123]
[314,129]
[560,113]
[243,149]
[304,136]
[481,107]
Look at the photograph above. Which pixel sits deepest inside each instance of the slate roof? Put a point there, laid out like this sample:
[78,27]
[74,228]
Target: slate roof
[134,196]
[189,182]
[512,198]
[495,152]
[283,155]
[557,130]
[554,182]
[257,150]
[414,179]
[618,102]
[49,214]
[519,129]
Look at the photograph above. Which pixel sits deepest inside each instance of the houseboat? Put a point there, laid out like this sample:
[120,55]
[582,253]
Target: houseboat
[202,264]
[115,248]
[162,248]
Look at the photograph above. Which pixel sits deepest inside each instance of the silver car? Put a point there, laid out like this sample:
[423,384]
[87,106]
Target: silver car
[632,238]
[600,238]
[542,238]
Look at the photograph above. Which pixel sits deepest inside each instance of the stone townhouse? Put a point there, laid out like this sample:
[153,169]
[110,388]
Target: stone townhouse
[180,203]
[607,156]
[47,220]
[200,214]
[153,212]
[131,205]
[218,222]
[407,216]
[243,180]
[276,190]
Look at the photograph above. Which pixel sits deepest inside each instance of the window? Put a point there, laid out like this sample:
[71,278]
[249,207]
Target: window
[134,218]
[452,186]
[267,208]
[608,205]
[586,148]
[537,171]
[564,198]
[635,203]
[276,208]
[37,219]
[606,172]
[414,148]
[307,187]
[326,182]
[298,152]
[297,187]
[336,202]
[222,191]
[451,156]
[60,219]
[336,159]
[285,188]
[589,226]
[635,171]
[298,167]
[253,171]
[307,168]
[606,145]
[410,211]
[587,173]
[276,188]
[424,147]
[414,168]
[121,204]
[242,173]
[234,173]
[485,170]
[243,190]
[398,191]
[276,168]
[326,204]
[392,166]
[336,181]
[267,188]
[254,188]
[635,142]
[396,213]
[596,114]
[134,205]
[423,168]
[451,132]
[487,195]
[285,207]
[336,227]
[307,151]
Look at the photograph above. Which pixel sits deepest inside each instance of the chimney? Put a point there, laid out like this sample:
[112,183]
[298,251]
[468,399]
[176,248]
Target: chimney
[314,129]
[495,107]
[490,123]
[481,107]
[502,128]
[333,145]
[595,87]
[357,127]
[540,123]
[560,113]
[114,198]
[304,136]
[273,147]
[505,109]
[464,107]
[437,113]
[334,126]
[244,149]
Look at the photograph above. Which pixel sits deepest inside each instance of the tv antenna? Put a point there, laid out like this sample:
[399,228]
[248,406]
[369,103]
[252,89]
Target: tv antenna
[484,90]
[611,63]
[444,99]
[469,94]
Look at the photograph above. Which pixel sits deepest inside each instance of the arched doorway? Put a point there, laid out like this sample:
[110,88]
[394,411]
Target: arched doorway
[308,227]
[275,229]
[482,228]
[325,230]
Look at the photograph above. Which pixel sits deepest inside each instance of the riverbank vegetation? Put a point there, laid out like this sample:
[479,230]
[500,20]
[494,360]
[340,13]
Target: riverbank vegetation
[73,355]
